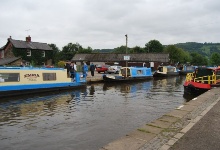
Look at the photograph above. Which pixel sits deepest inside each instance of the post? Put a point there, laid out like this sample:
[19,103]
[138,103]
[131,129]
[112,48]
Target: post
[126,47]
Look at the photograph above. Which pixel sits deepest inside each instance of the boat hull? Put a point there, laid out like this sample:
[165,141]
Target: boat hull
[121,79]
[18,90]
[158,74]
[195,88]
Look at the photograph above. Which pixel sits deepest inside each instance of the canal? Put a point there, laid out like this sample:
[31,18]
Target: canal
[87,118]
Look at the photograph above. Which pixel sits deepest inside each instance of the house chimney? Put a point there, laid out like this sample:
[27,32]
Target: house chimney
[28,39]
[9,38]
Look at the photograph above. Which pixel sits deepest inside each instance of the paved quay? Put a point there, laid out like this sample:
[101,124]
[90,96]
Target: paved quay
[96,78]
[192,126]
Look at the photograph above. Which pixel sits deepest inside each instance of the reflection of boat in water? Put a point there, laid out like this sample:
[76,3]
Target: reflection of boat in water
[130,74]
[38,103]
[166,71]
[128,88]
[166,84]
[202,80]
[25,80]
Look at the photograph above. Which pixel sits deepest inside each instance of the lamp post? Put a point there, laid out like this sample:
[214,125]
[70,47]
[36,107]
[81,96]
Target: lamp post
[126,42]
[126,47]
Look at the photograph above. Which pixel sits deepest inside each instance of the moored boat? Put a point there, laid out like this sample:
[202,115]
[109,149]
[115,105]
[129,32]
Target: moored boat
[186,69]
[130,74]
[166,71]
[26,80]
[202,80]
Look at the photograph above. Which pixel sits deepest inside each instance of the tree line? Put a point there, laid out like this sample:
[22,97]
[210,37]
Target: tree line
[185,53]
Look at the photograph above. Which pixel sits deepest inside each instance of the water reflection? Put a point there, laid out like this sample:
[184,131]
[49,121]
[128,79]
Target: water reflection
[128,87]
[87,118]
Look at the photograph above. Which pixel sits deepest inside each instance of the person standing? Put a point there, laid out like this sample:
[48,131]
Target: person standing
[75,66]
[72,70]
[85,69]
[92,69]
[67,67]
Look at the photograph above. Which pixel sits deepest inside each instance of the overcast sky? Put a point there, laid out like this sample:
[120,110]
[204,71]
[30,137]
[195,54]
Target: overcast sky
[102,24]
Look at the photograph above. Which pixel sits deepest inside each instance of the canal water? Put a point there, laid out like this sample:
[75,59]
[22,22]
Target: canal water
[87,118]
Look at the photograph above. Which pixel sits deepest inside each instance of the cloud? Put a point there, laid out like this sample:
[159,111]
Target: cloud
[103,23]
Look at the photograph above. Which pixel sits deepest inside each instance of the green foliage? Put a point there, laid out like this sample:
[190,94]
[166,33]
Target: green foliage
[121,49]
[198,60]
[154,46]
[215,59]
[56,53]
[205,49]
[177,54]
[102,50]
[61,64]
[87,50]
[70,50]
[36,57]
[137,49]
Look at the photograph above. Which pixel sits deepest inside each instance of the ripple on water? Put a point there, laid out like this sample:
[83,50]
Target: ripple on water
[102,111]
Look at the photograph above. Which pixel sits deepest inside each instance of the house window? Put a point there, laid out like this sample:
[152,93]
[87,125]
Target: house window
[28,52]
[28,63]
[43,53]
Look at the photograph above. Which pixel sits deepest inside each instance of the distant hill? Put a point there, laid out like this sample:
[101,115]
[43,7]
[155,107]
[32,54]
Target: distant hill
[205,49]
[102,50]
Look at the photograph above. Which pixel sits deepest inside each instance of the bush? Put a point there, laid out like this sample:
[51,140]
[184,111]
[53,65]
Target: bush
[61,64]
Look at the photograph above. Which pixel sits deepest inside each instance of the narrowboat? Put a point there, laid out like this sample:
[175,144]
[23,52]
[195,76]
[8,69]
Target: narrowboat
[202,80]
[186,69]
[130,74]
[25,80]
[166,71]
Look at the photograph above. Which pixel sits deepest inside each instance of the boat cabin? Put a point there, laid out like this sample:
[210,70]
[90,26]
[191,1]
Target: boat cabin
[207,75]
[135,71]
[167,69]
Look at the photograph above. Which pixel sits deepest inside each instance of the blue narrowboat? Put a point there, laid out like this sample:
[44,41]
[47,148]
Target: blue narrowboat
[130,74]
[26,80]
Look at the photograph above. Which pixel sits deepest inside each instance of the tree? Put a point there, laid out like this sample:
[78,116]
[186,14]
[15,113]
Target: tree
[56,53]
[70,50]
[177,54]
[215,59]
[153,46]
[121,49]
[87,50]
[198,60]
[136,49]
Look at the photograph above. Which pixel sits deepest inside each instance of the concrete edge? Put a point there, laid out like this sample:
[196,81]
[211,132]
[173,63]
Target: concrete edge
[172,141]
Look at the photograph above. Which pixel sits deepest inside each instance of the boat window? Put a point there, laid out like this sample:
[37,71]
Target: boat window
[139,72]
[189,67]
[9,77]
[170,69]
[217,74]
[49,76]
[160,69]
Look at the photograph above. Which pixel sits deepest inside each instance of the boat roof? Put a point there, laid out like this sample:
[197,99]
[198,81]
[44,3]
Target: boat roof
[168,66]
[29,68]
[135,68]
[204,71]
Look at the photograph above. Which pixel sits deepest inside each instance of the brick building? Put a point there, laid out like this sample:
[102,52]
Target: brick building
[16,51]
